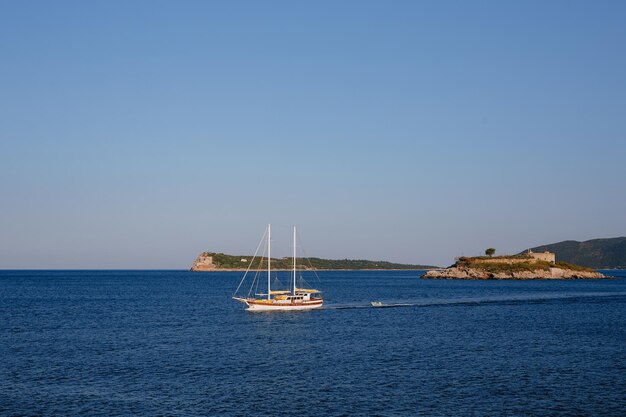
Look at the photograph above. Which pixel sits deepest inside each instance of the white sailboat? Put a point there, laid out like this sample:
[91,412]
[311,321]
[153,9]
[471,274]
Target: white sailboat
[279,300]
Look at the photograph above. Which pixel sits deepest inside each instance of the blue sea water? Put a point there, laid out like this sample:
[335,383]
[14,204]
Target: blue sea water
[116,343]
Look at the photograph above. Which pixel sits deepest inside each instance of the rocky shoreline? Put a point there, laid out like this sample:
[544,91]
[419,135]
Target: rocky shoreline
[456,272]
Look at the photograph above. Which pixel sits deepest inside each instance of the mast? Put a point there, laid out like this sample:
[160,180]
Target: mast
[269,257]
[294,259]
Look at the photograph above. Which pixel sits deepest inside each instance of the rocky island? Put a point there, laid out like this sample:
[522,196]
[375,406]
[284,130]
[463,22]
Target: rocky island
[529,265]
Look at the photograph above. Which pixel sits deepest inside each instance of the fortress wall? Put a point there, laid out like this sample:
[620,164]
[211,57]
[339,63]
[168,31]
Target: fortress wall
[531,257]
[506,260]
[203,262]
[544,256]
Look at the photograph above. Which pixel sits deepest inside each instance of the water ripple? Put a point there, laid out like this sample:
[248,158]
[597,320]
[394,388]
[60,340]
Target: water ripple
[172,343]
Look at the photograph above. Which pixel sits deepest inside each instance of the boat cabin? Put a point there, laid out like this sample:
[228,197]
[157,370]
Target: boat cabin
[305,294]
[300,295]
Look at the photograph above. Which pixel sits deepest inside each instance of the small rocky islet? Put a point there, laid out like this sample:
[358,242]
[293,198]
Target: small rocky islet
[524,266]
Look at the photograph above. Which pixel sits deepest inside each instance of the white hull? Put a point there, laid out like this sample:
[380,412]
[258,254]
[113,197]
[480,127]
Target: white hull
[252,306]
[278,307]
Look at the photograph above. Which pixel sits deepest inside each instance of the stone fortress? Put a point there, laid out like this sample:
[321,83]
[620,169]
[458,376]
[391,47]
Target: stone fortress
[542,256]
[204,262]
[534,257]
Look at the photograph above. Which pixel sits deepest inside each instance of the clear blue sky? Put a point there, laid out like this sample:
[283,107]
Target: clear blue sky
[138,134]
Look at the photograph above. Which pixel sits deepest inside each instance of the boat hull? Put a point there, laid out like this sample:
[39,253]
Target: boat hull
[264,306]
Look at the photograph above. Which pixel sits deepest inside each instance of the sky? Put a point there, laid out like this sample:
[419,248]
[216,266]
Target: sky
[137,134]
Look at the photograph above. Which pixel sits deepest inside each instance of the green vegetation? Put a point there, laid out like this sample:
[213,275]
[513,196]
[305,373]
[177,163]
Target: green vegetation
[487,264]
[224,261]
[520,256]
[567,265]
[490,251]
[497,267]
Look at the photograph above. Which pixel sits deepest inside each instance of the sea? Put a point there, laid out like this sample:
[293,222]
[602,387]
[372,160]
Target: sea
[174,343]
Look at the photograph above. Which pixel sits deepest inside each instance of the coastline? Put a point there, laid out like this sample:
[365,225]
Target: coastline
[538,274]
[304,270]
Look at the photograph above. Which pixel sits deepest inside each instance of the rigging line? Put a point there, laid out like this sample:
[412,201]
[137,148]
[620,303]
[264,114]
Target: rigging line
[277,282]
[308,260]
[254,280]
[256,275]
[251,262]
[252,283]
[304,283]
[259,271]
[256,289]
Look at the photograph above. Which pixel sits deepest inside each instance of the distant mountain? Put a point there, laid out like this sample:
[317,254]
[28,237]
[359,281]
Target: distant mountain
[595,253]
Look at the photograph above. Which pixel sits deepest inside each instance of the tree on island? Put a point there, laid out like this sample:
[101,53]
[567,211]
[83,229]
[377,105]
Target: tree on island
[490,251]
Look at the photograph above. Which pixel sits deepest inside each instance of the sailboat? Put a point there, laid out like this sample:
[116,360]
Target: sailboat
[278,300]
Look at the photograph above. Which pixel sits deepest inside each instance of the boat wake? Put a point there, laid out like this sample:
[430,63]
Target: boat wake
[511,299]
